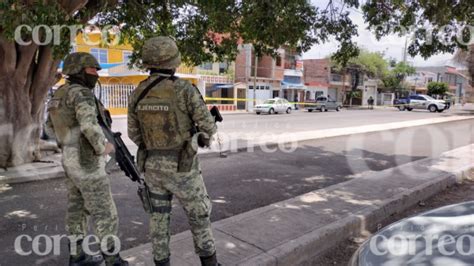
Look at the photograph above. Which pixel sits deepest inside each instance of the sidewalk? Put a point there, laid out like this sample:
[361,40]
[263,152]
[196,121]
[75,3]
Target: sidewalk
[298,230]
[49,167]
[237,143]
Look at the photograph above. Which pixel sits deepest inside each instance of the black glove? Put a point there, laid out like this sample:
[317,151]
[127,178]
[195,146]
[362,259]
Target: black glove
[203,141]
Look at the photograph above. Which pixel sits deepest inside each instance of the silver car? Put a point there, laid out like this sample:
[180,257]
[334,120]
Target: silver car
[273,106]
[421,101]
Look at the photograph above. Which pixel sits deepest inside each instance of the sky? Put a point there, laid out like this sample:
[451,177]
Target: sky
[392,45]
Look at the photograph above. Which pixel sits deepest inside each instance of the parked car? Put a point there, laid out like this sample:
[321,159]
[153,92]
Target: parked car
[273,106]
[420,101]
[323,104]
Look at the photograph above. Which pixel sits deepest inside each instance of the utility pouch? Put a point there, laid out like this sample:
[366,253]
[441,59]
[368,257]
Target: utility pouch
[144,195]
[186,157]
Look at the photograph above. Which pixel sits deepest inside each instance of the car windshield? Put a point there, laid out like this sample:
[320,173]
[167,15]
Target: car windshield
[428,98]
[269,102]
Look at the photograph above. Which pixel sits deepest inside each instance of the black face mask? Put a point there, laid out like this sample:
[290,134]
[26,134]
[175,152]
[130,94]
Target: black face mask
[87,80]
[90,80]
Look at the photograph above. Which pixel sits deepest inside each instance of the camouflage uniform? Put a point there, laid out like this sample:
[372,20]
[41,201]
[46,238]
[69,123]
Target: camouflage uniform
[73,120]
[161,166]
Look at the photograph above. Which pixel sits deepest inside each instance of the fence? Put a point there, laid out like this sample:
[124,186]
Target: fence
[114,96]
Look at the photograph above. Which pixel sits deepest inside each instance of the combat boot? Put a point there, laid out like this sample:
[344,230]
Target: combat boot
[114,260]
[210,261]
[83,259]
[165,262]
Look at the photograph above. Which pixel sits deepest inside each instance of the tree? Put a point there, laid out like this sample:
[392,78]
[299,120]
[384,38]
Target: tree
[394,81]
[367,63]
[433,26]
[437,88]
[204,30]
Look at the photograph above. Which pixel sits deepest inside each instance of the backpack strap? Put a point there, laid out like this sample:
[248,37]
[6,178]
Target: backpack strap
[149,87]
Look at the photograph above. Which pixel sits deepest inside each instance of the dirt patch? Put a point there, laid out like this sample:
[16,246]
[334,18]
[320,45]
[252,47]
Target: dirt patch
[457,193]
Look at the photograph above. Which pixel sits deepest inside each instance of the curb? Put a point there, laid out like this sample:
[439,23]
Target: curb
[50,168]
[300,230]
[303,136]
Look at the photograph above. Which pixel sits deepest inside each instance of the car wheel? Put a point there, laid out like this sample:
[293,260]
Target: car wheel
[271,111]
[409,109]
[401,108]
[323,109]
[258,113]
[432,108]
[338,109]
[310,110]
[288,111]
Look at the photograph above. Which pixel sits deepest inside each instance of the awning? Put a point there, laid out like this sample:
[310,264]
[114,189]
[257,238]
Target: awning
[216,87]
[294,86]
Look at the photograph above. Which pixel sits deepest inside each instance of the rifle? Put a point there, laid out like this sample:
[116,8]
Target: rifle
[124,159]
[216,114]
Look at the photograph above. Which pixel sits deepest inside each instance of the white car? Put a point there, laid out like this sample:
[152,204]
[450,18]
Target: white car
[273,106]
[421,101]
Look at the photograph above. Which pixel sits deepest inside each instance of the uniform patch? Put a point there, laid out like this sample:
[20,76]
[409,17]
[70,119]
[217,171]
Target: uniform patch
[153,108]
[54,104]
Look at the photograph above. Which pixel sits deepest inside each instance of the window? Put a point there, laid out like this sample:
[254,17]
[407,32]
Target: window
[267,87]
[321,99]
[250,87]
[278,61]
[206,66]
[126,56]
[336,77]
[101,55]
[223,67]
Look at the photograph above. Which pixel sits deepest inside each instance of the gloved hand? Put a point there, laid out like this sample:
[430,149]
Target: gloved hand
[204,141]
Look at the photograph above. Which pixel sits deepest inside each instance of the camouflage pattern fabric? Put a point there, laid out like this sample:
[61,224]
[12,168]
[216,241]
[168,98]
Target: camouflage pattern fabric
[75,62]
[161,174]
[189,189]
[161,53]
[83,162]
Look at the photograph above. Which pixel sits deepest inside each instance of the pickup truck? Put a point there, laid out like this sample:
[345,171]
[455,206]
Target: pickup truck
[323,104]
[420,101]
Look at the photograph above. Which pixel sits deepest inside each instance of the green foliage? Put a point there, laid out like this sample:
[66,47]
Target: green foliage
[369,63]
[353,94]
[210,30]
[394,80]
[434,25]
[437,88]
[14,14]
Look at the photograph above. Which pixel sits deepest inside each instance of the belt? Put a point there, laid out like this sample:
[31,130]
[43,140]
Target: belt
[163,152]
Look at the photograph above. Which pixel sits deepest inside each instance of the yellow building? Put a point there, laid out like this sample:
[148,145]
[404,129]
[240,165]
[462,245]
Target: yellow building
[118,80]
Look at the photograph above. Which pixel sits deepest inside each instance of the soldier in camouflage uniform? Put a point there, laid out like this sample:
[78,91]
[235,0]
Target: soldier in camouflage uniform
[72,118]
[161,123]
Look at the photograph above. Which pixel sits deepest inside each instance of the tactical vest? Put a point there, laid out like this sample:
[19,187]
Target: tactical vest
[65,124]
[164,124]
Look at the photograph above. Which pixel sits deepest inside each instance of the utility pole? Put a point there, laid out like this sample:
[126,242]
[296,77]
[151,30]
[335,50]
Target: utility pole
[405,50]
[255,81]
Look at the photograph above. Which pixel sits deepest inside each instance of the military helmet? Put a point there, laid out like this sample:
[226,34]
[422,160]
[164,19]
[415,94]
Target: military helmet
[75,62]
[160,52]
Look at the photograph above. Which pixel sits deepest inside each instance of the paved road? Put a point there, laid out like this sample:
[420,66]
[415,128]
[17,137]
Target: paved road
[239,183]
[257,125]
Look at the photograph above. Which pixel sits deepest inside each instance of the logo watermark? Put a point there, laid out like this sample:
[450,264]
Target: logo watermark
[43,245]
